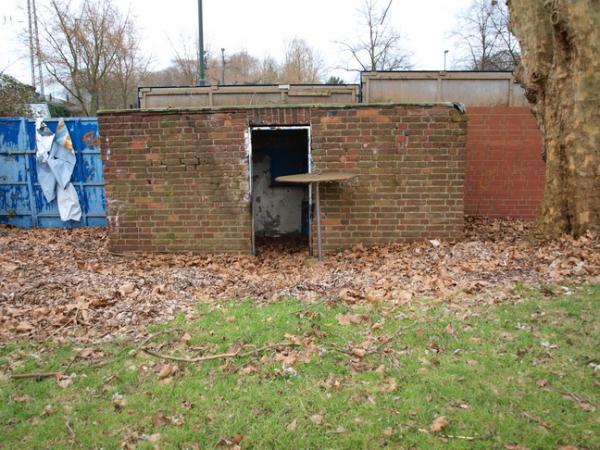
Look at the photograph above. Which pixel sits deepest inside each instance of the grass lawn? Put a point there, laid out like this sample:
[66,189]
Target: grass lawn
[519,374]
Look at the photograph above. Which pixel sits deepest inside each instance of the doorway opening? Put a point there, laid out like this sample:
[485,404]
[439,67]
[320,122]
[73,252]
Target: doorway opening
[280,211]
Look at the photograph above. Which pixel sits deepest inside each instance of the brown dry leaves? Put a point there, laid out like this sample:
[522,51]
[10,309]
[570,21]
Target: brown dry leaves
[438,424]
[59,284]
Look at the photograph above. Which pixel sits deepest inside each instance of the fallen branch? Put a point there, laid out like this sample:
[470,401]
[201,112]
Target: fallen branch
[229,355]
[450,436]
[393,337]
[139,348]
[71,432]
[58,329]
[304,310]
[447,436]
[537,420]
[454,436]
[190,360]
[35,375]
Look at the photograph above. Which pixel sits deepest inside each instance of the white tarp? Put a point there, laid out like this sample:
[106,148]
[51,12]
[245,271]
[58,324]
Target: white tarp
[55,163]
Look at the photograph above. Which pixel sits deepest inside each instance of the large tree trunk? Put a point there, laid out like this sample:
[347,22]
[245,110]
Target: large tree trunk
[560,70]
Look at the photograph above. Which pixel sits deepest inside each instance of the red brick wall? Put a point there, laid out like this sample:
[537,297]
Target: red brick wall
[178,180]
[505,173]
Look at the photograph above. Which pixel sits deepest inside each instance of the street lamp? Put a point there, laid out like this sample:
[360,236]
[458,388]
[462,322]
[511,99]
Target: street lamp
[201,81]
[222,66]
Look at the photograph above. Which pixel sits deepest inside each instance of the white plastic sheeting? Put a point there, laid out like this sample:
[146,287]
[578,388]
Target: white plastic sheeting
[55,163]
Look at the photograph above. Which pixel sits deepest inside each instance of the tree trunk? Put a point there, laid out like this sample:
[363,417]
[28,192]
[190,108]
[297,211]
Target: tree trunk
[560,71]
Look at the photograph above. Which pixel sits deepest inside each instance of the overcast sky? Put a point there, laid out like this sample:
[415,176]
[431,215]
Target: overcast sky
[262,27]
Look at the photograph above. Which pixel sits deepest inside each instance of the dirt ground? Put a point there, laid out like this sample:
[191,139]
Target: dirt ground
[64,284]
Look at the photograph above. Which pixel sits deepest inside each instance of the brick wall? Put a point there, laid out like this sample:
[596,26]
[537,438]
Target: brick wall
[504,173]
[178,180]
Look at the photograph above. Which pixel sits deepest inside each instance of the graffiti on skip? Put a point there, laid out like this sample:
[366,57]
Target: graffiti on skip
[91,140]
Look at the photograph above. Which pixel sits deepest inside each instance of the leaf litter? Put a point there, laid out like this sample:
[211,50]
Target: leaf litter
[64,284]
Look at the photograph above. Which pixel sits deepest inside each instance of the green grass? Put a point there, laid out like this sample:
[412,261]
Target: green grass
[519,373]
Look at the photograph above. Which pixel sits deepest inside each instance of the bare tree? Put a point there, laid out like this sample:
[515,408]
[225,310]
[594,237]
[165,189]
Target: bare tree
[130,70]
[185,61]
[242,67]
[268,70]
[484,41]
[80,47]
[379,46]
[301,63]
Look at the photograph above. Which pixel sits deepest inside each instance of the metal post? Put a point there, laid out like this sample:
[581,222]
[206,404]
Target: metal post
[201,81]
[39,51]
[31,43]
[320,251]
[222,66]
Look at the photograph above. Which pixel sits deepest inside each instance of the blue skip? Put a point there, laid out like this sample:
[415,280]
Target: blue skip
[22,202]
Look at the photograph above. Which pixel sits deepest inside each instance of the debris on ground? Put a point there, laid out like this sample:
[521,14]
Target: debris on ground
[65,283]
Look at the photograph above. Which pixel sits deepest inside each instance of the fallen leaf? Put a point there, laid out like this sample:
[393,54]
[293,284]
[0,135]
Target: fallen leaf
[585,406]
[24,327]
[450,330]
[292,425]
[126,289]
[118,401]
[317,419]
[158,289]
[247,370]
[380,370]
[159,419]
[237,438]
[438,424]
[167,370]
[332,383]
[389,385]
[86,353]
[64,381]
[360,352]
[231,442]
[9,267]
[22,398]
[153,438]
[351,318]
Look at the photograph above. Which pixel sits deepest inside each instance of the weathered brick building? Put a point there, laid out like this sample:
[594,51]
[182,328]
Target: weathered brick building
[203,180]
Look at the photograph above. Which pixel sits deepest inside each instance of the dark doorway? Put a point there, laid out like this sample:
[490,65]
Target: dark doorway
[280,212]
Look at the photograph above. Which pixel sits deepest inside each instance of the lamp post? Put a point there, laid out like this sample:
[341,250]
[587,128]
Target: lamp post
[222,66]
[201,81]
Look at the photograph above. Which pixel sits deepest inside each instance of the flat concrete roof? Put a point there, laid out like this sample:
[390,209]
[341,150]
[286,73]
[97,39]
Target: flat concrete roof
[274,106]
